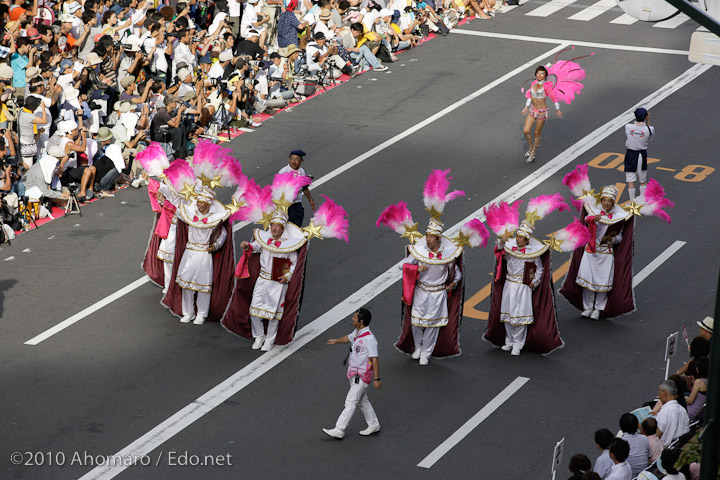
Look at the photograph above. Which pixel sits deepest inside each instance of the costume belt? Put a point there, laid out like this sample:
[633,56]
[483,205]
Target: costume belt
[514,278]
[197,247]
[265,275]
[431,288]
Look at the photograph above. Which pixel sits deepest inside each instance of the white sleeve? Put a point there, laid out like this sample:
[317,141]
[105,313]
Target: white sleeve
[170,193]
[293,264]
[538,272]
[458,274]
[409,259]
[220,240]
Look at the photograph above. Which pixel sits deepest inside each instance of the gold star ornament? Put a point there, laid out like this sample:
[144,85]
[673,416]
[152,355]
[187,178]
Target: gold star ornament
[265,220]
[313,231]
[215,182]
[188,191]
[554,243]
[206,181]
[462,240]
[532,217]
[412,234]
[633,208]
[434,213]
[282,204]
[234,206]
[590,193]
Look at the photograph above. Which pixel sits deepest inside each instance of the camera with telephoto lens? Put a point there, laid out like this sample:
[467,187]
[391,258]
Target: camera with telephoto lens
[72,188]
[196,39]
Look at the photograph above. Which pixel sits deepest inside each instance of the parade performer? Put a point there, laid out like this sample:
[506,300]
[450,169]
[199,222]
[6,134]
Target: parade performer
[599,280]
[433,283]
[266,303]
[522,312]
[204,234]
[561,82]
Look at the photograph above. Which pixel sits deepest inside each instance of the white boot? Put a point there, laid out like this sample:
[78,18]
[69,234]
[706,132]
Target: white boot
[258,343]
[187,318]
[199,320]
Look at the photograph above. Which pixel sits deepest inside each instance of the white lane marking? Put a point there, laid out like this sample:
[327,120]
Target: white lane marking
[624,19]
[507,8]
[594,10]
[474,421]
[674,22]
[326,178]
[549,8]
[88,311]
[659,260]
[238,381]
[608,46]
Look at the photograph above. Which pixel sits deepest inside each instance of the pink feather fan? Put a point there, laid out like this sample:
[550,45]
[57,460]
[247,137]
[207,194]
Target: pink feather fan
[653,200]
[288,184]
[578,180]
[396,217]
[230,172]
[180,173]
[153,159]
[545,204]
[333,219]
[207,157]
[477,232]
[573,236]
[257,202]
[240,196]
[435,194]
[503,218]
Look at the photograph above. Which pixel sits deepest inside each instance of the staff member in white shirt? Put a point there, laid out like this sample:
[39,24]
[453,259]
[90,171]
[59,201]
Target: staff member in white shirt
[637,137]
[363,368]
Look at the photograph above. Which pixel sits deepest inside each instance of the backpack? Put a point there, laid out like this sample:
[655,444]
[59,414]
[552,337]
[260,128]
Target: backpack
[383,54]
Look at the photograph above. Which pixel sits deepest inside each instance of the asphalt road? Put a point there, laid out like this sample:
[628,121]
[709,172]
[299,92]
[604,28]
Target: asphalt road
[109,379]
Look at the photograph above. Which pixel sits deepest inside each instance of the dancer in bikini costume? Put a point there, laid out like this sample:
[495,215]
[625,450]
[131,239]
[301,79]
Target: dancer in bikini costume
[561,82]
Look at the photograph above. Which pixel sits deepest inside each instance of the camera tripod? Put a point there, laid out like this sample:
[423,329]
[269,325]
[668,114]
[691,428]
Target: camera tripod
[72,205]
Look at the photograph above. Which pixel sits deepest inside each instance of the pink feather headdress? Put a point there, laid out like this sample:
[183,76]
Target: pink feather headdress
[578,180]
[230,172]
[397,217]
[258,201]
[573,236]
[288,184]
[653,200]
[545,204]
[478,233]
[153,159]
[207,157]
[503,218]
[180,173]
[333,220]
[435,194]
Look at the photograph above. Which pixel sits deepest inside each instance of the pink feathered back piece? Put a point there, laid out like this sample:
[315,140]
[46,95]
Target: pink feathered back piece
[503,218]
[653,201]
[578,180]
[180,173]
[288,184]
[396,217]
[435,192]
[153,159]
[258,201]
[477,232]
[545,204]
[573,236]
[333,219]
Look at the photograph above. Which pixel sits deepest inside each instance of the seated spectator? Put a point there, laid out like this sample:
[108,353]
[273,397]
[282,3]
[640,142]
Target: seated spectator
[130,90]
[665,468]
[648,427]
[603,463]
[698,395]
[672,419]
[288,26]
[108,167]
[681,386]
[128,133]
[253,21]
[217,71]
[699,347]
[320,56]
[639,445]
[166,127]
[706,328]
[41,177]
[360,53]
[579,464]
[251,46]
[73,166]
[619,451]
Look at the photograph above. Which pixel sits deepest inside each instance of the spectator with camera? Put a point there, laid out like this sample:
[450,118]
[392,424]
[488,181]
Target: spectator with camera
[251,46]
[252,20]
[42,176]
[74,166]
[167,127]
[183,53]
[28,127]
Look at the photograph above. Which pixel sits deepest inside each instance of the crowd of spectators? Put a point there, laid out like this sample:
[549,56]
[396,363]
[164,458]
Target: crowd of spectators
[650,449]
[79,77]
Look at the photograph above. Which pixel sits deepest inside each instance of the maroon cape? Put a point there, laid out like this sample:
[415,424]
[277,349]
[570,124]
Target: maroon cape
[223,274]
[152,265]
[448,342]
[621,299]
[542,335]
[237,317]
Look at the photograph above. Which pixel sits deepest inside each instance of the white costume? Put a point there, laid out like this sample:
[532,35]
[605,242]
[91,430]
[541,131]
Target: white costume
[166,251]
[597,269]
[516,310]
[429,306]
[268,299]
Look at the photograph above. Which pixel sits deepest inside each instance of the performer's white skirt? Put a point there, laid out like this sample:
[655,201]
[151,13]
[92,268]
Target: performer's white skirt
[268,300]
[429,309]
[166,250]
[596,271]
[516,308]
[195,271]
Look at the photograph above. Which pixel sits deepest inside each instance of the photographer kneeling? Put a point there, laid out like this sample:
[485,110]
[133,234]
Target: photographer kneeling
[167,127]
[38,180]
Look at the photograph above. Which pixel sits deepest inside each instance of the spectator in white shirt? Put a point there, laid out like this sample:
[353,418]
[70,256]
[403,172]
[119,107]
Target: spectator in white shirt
[619,451]
[252,20]
[639,445]
[218,68]
[672,420]
[603,463]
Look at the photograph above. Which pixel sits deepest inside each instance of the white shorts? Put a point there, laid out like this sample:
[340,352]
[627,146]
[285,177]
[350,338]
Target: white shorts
[633,176]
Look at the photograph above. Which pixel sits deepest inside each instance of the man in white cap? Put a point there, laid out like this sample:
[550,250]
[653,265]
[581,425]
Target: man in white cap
[597,267]
[436,265]
[252,20]
[218,69]
[131,59]
[38,180]
[268,299]
[706,328]
[205,235]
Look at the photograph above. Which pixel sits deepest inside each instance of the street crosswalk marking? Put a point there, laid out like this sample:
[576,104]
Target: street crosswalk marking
[624,19]
[549,8]
[674,22]
[593,11]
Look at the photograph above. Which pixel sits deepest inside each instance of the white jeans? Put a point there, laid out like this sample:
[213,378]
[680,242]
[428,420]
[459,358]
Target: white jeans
[258,329]
[515,335]
[425,338]
[188,303]
[357,395]
[594,300]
